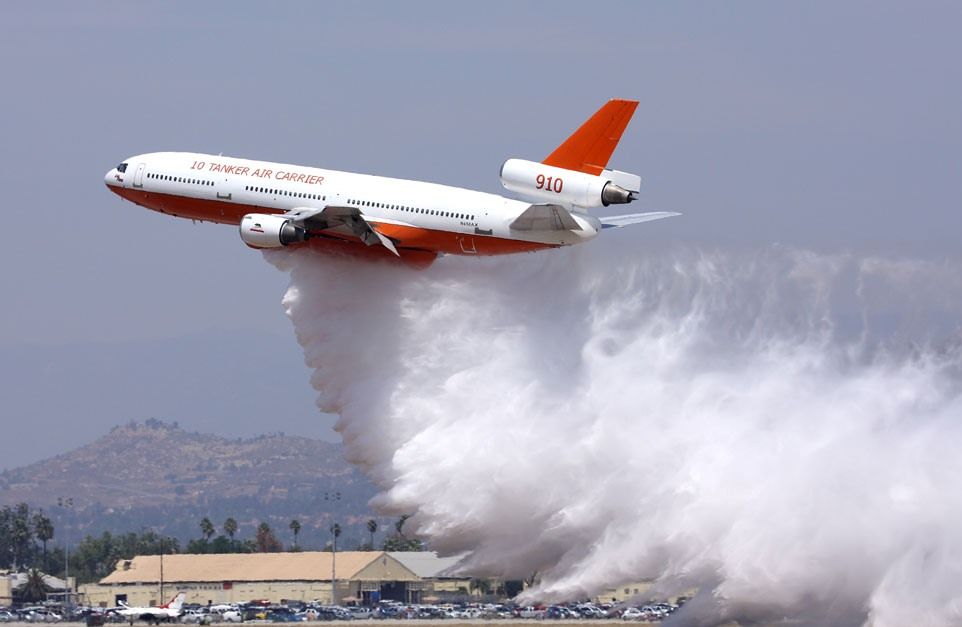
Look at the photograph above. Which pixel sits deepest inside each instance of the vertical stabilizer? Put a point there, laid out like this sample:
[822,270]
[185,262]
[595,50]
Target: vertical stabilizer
[589,148]
[177,602]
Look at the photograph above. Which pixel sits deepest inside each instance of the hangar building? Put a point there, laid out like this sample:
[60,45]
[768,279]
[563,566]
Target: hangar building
[361,576]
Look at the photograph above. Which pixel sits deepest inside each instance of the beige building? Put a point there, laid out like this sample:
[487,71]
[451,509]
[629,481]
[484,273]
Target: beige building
[361,577]
[436,582]
[624,592]
[6,588]
[10,581]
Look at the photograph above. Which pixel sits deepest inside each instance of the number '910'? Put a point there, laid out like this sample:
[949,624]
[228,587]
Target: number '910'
[550,183]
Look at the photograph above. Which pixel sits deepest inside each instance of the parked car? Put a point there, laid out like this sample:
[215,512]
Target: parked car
[39,615]
[531,612]
[282,614]
[191,616]
[360,612]
[633,613]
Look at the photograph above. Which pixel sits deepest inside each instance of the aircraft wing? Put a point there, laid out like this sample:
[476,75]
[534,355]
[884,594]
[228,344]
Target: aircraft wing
[332,216]
[302,213]
[545,217]
[634,218]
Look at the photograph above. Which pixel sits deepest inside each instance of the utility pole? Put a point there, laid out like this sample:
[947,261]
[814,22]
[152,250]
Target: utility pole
[335,531]
[161,600]
[66,503]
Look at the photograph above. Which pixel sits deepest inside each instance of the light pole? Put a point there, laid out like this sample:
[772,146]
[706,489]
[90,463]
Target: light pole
[161,598]
[66,503]
[335,531]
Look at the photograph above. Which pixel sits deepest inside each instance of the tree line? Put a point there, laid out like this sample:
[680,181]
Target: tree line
[266,541]
[25,536]
[24,546]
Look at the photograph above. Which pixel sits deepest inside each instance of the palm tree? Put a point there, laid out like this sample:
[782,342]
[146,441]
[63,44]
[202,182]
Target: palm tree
[296,528]
[266,541]
[372,528]
[19,533]
[399,525]
[230,528]
[35,588]
[207,528]
[43,529]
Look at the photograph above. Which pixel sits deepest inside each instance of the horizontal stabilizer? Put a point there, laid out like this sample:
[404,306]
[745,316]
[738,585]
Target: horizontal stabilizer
[545,218]
[635,218]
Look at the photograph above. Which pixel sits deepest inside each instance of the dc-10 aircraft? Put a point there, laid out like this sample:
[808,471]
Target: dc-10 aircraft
[163,613]
[278,205]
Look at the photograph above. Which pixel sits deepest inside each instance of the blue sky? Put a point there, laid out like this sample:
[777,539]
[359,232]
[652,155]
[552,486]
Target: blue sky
[833,126]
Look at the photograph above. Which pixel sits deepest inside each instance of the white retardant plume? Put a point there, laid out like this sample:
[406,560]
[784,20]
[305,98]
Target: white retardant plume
[781,429]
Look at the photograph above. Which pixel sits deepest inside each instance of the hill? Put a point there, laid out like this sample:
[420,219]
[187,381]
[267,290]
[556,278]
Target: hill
[157,476]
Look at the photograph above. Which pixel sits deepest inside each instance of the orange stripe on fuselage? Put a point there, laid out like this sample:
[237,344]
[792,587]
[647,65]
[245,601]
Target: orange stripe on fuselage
[222,212]
[414,238]
[453,243]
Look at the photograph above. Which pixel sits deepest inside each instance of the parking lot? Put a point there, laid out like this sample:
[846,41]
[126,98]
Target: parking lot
[383,613]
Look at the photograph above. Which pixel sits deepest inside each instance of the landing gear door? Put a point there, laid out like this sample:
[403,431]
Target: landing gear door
[467,245]
[139,175]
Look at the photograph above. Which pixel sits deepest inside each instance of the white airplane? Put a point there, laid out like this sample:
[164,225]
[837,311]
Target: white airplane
[277,204]
[162,613]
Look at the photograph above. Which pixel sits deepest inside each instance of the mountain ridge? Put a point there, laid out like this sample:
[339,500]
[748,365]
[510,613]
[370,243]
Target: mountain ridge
[155,475]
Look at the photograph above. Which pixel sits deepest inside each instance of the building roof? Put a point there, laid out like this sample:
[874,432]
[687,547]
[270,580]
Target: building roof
[303,566]
[19,579]
[426,564]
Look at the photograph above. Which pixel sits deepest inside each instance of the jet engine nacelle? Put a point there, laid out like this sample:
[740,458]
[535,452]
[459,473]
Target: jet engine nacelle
[550,184]
[261,230]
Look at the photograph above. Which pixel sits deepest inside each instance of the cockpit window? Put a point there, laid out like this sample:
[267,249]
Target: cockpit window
[122,167]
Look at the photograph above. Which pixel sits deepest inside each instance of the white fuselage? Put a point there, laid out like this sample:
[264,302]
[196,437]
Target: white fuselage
[419,216]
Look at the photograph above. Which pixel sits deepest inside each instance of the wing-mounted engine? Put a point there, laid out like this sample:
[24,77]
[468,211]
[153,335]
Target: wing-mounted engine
[261,230]
[537,181]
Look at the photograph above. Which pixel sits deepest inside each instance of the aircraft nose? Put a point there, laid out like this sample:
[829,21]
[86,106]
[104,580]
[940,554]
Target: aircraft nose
[115,175]
[114,178]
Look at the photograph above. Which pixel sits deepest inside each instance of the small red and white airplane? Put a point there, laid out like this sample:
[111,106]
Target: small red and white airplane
[277,204]
[163,613]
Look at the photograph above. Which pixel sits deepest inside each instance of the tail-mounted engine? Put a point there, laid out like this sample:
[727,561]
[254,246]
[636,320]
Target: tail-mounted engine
[550,184]
[261,230]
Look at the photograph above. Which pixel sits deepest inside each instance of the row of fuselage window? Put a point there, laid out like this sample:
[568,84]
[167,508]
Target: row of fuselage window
[429,212]
[179,179]
[362,203]
[282,192]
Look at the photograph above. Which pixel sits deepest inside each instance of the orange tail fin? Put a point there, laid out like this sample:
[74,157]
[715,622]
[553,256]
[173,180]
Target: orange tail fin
[589,148]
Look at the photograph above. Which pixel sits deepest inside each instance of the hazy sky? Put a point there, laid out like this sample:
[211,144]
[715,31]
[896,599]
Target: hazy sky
[826,125]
